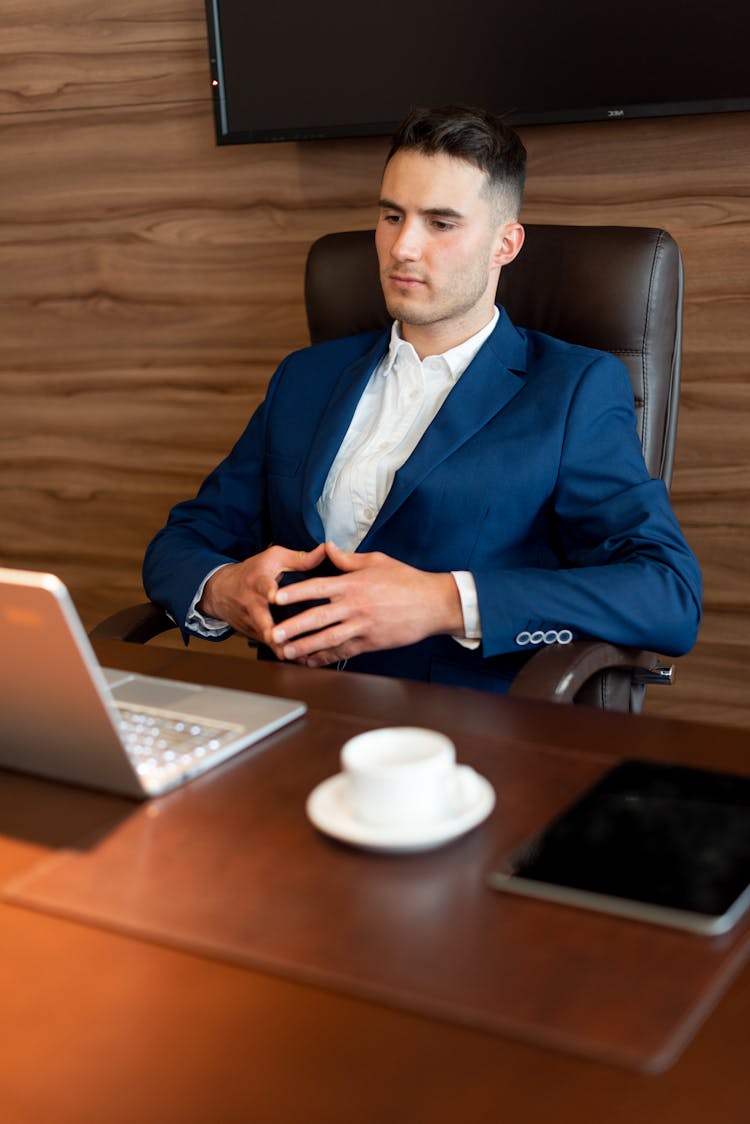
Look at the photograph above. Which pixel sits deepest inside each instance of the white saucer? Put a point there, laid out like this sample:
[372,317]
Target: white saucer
[328,809]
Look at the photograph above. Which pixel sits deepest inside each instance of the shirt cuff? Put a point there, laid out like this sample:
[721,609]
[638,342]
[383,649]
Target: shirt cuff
[467,592]
[197,622]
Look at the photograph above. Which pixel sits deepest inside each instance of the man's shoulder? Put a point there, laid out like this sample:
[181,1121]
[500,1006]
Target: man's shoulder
[342,350]
[538,352]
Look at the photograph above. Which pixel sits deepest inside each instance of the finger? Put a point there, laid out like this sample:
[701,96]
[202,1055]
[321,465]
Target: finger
[261,620]
[308,559]
[322,659]
[344,559]
[266,587]
[330,641]
[330,656]
[309,589]
[314,621]
[294,560]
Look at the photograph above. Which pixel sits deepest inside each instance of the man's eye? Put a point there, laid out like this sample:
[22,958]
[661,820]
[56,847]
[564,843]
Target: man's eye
[440,224]
[392,219]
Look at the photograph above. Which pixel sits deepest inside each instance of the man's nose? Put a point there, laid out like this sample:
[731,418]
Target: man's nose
[407,246]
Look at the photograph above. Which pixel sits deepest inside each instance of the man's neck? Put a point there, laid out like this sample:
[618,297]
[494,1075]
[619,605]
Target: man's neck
[429,339]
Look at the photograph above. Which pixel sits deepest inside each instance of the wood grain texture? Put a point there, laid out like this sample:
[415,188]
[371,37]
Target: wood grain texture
[150,281]
[73,54]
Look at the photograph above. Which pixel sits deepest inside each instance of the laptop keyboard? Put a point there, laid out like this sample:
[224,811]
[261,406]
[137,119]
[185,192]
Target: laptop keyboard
[163,744]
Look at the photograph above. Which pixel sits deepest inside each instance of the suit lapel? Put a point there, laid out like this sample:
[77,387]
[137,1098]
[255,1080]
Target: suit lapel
[490,381]
[334,424]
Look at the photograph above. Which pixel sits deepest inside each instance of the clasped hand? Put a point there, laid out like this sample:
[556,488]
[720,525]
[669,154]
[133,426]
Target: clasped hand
[374,603]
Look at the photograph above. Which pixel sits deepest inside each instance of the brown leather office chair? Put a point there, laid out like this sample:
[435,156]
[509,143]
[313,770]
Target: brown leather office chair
[618,289]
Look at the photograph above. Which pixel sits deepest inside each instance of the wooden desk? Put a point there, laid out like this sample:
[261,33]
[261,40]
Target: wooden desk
[101,1026]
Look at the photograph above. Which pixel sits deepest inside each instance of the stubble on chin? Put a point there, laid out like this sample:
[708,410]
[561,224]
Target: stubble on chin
[408,314]
[407,310]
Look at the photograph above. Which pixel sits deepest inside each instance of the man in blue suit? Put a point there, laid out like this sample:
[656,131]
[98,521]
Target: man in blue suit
[455,493]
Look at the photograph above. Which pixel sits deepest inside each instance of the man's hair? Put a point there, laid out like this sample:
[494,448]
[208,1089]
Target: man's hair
[473,135]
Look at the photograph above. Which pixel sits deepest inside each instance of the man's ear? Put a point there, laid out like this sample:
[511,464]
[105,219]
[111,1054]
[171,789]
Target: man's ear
[509,242]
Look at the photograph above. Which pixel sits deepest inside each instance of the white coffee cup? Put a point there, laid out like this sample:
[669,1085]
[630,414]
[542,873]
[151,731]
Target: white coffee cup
[400,775]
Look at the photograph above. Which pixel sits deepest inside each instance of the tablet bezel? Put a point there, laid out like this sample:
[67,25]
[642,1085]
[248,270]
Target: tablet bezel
[505,877]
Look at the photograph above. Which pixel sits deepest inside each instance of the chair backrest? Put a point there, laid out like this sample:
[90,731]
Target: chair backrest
[615,288]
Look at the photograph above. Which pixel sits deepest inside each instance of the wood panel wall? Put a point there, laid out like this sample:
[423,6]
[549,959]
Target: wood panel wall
[150,281]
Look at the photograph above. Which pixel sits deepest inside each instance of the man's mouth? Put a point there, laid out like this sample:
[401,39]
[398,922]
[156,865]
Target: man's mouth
[405,280]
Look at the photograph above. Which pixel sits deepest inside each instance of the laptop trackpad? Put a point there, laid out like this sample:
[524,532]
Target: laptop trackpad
[153,692]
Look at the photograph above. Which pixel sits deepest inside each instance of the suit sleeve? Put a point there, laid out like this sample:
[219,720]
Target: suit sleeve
[225,522]
[626,573]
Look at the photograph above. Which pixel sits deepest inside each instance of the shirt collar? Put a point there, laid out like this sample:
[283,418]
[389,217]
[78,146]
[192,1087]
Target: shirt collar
[456,359]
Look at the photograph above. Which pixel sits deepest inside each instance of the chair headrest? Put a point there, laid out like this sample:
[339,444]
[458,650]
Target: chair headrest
[615,288]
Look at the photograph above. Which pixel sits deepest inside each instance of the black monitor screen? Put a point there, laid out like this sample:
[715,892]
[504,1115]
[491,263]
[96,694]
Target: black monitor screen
[336,68]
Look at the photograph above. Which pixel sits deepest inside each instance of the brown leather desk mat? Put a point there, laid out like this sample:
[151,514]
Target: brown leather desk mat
[230,867]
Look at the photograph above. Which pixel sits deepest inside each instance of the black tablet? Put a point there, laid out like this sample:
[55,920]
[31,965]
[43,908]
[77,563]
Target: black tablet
[283,612]
[662,843]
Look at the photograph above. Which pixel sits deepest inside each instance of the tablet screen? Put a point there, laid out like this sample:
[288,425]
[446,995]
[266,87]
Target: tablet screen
[665,843]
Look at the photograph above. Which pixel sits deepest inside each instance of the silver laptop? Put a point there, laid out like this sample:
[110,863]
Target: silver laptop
[64,716]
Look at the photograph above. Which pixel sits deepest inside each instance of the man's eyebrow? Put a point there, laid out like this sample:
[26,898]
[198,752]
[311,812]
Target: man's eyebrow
[436,212]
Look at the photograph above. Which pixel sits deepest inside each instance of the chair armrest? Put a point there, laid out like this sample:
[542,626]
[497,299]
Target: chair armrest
[558,673]
[136,624]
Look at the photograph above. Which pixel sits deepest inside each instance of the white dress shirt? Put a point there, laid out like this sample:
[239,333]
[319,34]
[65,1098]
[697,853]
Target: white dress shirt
[401,399]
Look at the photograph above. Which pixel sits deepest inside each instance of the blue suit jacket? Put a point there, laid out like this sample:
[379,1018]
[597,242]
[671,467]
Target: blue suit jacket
[531,476]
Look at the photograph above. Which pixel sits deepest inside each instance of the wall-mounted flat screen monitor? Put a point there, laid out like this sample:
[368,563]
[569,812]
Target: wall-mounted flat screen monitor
[337,68]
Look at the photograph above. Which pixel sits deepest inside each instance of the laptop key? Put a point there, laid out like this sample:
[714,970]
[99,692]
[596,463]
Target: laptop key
[159,741]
